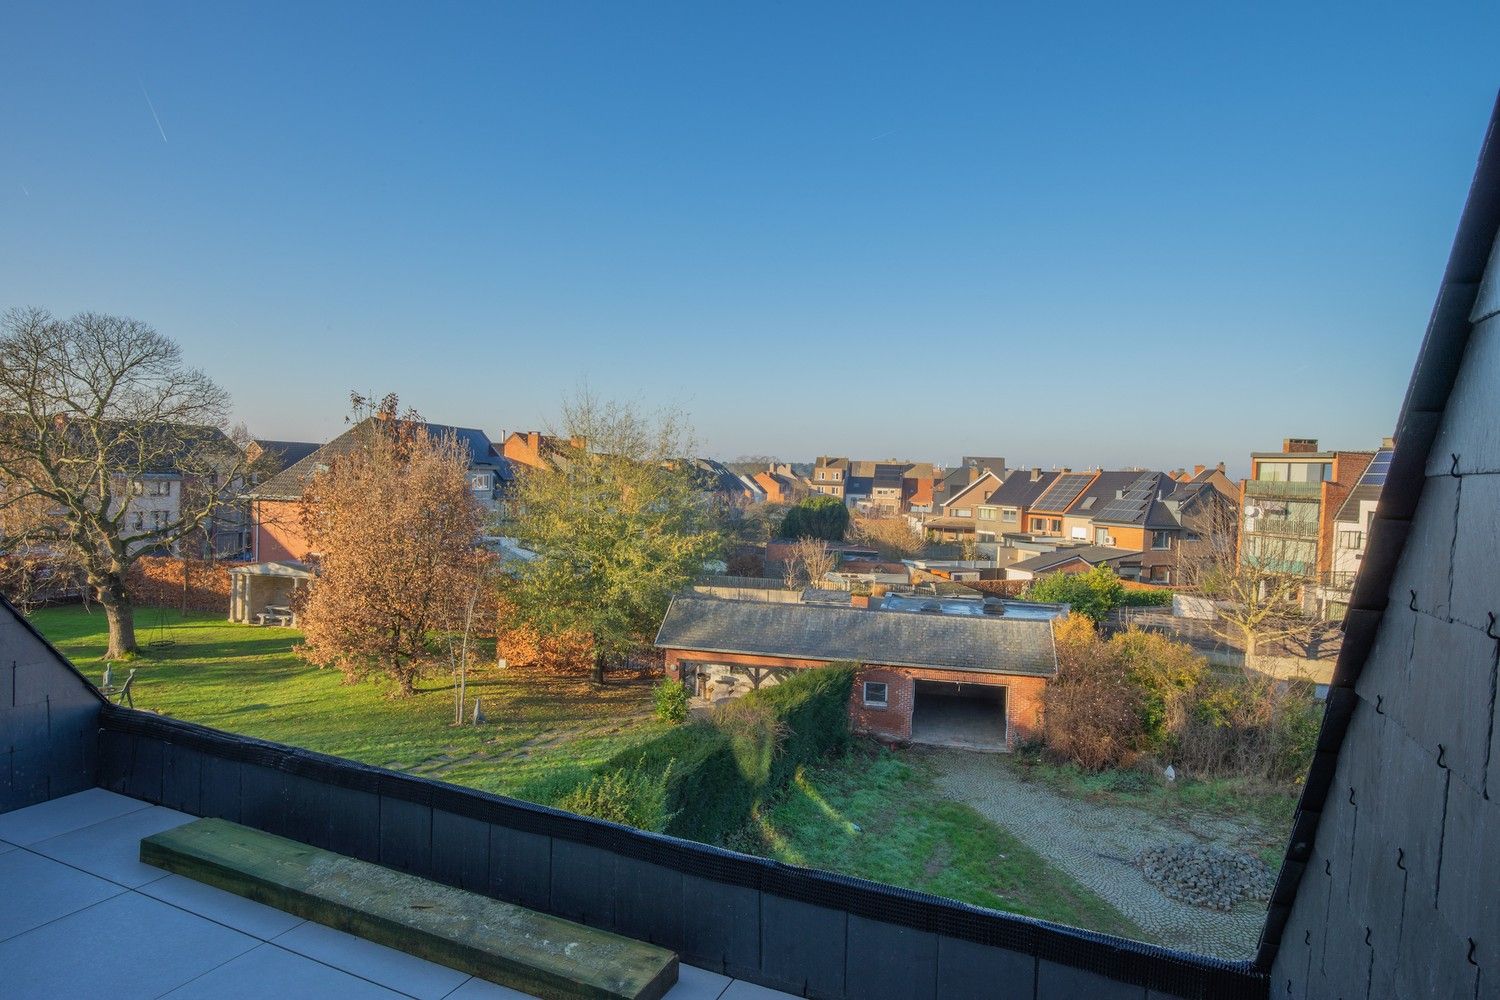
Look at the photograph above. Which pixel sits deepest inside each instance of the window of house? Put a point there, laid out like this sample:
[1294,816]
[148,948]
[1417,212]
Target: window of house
[875,694]
[1161,539]
[1101,536]
[1009,516]
[820,473]
[1038,524]
[986,513]
[1057,524]
[140,521]
[1278,472]
[1351,539]
[137,488]
[158,519]
[962,512]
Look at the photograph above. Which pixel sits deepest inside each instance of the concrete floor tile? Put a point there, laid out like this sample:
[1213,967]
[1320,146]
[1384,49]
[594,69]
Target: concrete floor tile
[272,973]
[129,947]
[375,962]
[112,849]
[741,990]
[35,890]
[59,816]
[244,915]
[698,984]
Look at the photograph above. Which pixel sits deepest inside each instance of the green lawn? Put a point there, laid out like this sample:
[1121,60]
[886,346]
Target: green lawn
[249,680]
[878,816]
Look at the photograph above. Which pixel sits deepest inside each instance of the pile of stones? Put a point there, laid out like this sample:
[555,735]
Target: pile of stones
[1212,877]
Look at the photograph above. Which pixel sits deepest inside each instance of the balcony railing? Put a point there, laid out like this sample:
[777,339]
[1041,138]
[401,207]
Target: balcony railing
[1282,489]
[1285,526]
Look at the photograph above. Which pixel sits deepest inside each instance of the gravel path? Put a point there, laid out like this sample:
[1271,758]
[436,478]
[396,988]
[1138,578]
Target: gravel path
[1097,844]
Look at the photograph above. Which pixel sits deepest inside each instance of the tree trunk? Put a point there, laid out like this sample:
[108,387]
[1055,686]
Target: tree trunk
[120,614]
[598,668]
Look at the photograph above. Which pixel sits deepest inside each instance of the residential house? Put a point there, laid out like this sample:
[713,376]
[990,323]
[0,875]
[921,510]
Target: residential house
[1288,508]
[266,457]
[830,475]
[780,484]
[535,450]
[1351,532]
[725,485]
[1005,510]
[1073,559]
[922,676]
[276,504]
[959,518]
[185,468]
[1045,514]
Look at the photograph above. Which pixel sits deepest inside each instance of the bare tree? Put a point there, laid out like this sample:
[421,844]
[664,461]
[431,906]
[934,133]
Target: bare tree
[1256,581]
[809,561]
[95,411]
[893,537]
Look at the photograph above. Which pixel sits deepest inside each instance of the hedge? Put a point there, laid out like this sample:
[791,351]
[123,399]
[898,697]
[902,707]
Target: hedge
[1146,598]
[721,768]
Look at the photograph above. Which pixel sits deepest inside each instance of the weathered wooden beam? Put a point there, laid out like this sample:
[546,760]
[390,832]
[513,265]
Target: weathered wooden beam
[500,942]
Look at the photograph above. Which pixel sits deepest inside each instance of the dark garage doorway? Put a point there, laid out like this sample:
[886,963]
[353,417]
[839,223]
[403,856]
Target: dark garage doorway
[959,715]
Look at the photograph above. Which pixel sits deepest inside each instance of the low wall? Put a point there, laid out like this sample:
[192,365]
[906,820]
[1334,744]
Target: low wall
[185,584]
[808,932]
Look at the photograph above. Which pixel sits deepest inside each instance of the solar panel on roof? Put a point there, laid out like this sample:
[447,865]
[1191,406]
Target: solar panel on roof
[1379,466]
[1132,502]
[1063,492]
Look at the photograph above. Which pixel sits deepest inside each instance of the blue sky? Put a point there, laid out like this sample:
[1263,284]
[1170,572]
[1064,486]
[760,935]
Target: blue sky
[1075,234]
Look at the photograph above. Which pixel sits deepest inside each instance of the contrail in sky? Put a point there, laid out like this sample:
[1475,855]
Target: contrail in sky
[155,117]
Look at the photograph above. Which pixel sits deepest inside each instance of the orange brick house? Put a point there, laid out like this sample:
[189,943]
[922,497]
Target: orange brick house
[973,680]
[277,534]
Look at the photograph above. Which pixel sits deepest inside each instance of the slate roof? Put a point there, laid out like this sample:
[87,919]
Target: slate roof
[1019,490]
[286,453]
[1349,511]
[1091,554]
[991,645]
[292,481]
[1099,496]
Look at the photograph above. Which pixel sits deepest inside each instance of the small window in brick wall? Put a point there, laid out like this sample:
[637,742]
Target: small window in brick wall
[875,694]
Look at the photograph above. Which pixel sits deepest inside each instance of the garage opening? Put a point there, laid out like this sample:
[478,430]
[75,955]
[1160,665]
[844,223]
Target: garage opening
[959,715]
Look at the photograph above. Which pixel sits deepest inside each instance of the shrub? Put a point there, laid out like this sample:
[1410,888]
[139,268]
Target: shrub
[818,516]
[1153,597]
[1093,594]
[636,797]
[671,699]
[1092,710]
[1163,672]
[717,770]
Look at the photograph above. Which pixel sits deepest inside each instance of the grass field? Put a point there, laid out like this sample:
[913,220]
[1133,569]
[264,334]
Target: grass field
[249,680]
[875,815]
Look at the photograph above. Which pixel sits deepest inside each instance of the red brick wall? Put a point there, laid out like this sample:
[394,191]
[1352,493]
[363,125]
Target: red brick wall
[1023,696]
[277,534]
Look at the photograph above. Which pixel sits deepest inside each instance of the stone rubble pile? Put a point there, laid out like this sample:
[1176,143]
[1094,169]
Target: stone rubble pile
[1212,877]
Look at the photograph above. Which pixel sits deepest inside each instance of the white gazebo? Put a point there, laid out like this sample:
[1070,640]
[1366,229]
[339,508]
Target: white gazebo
[259,589]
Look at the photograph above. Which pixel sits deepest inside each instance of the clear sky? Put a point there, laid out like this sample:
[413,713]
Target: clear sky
[1063,233]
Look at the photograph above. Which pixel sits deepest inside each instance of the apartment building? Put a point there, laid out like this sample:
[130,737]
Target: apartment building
[1288,508]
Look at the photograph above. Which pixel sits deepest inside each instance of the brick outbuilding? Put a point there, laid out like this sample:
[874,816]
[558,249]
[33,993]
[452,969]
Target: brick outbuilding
[922,676]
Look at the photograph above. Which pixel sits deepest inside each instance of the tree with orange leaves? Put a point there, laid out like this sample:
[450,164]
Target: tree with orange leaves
[395,530]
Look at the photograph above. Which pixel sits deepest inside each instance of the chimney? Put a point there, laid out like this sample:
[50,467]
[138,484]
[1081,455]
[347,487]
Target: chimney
[534,440]
[1220,466]
[1198,469]
[1036,474]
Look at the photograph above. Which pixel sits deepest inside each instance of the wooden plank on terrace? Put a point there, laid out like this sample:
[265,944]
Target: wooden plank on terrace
[503,943]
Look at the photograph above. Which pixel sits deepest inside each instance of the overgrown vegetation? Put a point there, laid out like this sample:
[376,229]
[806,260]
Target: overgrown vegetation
[1141,694]
[875,814]
[715,772]
[1093,594]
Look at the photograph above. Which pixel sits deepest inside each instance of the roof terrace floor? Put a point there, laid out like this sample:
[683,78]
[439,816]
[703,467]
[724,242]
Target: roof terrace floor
[81,916]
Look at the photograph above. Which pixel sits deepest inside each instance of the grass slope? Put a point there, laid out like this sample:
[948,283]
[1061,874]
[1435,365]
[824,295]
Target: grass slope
[878,816]
[249,680]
